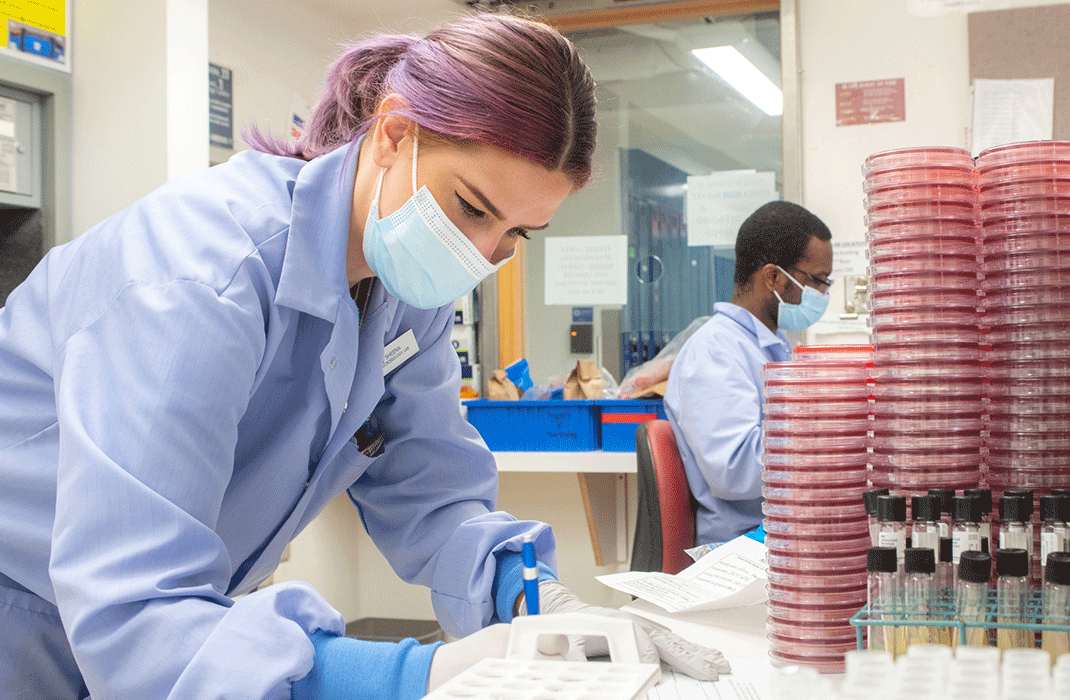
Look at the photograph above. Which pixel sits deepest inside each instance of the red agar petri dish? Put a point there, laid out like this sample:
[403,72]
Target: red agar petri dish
[782,427]
[919,211]
[790,544]
[993,211]
[931,192]
[927,156]
[994,191]
[1023,170]
[920,176]
[880,248]
[814,443]
[922,281]
[818,614]
[1029,424]
[790,595]
[996,247]
[1049,259]
[833,632]
[812,528]
[892,317]
[964,461]
[804,493]
[902,264]
[793,562]
[1022,151]
[812,509]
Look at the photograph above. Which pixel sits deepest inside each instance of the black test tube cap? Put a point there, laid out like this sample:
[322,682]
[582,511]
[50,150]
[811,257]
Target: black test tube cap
[946,497]
[945,549]
[891,508]
[919,560]
[984,496]
[869,499]
[1015,509]
[1057,568]
[967,509]
[975,567]
[882,560]
[1012,562]
[926,508]
[1055,509]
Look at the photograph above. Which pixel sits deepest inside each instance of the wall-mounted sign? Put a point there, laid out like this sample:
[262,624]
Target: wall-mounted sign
[587,270]
[37,31]
[870,102]
[220,106]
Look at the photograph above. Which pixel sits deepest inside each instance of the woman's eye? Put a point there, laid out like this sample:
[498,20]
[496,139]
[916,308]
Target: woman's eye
[521,233]
[469,209]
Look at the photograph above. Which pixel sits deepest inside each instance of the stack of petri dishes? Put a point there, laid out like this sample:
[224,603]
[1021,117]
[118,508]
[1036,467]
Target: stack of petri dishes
[814,437]
[1025,214]
[928,362]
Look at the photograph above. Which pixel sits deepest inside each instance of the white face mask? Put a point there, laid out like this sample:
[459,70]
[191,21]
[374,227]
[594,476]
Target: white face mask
[420,256]
[798,317]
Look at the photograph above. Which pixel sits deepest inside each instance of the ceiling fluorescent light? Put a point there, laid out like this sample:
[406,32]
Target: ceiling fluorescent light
[741,74]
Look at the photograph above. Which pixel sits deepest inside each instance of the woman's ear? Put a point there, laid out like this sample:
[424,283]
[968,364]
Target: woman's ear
[389,131]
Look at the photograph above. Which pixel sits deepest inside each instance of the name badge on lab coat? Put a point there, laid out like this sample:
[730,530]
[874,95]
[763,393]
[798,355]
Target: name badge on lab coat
[396,353]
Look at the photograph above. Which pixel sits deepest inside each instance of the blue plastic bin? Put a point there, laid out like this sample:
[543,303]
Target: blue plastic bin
[620,418]
[535,426]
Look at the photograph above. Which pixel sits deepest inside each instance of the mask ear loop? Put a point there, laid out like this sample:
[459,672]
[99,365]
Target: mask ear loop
[415,148]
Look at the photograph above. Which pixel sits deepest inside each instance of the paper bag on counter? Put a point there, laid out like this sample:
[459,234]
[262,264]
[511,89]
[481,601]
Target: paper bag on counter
[653,391]
[499,388]
[585,382]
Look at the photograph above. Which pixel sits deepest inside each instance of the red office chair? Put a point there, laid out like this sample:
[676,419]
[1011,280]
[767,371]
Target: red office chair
[665,524]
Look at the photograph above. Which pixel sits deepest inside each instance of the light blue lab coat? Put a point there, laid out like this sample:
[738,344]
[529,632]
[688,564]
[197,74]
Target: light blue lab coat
[714,402]
[178,390]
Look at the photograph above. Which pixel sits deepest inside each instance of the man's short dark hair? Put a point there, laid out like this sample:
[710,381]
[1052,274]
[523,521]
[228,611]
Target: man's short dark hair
[778,233]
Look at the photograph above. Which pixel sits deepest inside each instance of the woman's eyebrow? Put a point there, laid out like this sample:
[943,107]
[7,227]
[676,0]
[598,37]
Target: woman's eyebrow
[490,207]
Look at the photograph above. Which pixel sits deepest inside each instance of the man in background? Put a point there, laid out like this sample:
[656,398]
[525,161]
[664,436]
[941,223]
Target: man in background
[714,395]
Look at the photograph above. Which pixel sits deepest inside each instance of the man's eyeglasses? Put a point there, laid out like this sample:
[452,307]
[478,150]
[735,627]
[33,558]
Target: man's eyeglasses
[818,281]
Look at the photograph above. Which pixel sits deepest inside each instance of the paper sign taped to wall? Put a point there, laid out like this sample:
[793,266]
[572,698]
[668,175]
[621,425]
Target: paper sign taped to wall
[719,202]
[1009,111]
[586,271]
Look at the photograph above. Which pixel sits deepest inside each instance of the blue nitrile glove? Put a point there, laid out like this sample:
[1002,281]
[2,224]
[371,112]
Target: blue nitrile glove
[654,641]
[757,534]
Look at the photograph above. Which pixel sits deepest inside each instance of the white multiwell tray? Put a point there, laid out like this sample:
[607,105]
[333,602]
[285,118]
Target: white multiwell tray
[524,676]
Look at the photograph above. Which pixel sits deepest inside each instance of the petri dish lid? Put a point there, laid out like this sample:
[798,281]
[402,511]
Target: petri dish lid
[812,509]
[994,191]
[919,211]
[815,614]
[924,298]
[996,210]
[817,580]
[1022,151]
[959,351]
[1017,279]
[931,192]
[907,480]
[919,175]
[815,442]
[1000,298]
[1010,422]
[1030,405]
[836,462]
[946,460]
[896,423]
[1055,459]
[887,372]
[804,493]
[924,440]
[791,544]
[1028,441]
[1023,170]
[853,562]
[1029,333]
[806,631]
[774,425]
[1019,352]
[939,386]
[916,316]
[1017,243]
[1027,315]
[1027,224]
[1043,260]
[926,334]
[929,156]
[901,264]
[861,352]
[922,281]
[816,371]
[807,407]
[779,526]
[879,248]
[963,225]
[1029,369]
[810,390]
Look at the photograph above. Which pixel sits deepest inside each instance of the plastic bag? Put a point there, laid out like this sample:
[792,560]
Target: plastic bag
[652,372]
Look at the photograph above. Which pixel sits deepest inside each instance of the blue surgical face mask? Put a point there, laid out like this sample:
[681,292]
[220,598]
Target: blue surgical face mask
[798,317]
[420,256]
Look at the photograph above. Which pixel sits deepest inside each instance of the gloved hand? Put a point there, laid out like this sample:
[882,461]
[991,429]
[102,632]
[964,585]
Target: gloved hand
[655,642]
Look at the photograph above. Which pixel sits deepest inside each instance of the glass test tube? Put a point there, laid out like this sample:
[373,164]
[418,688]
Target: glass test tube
[945,587]
[966,535]
[945,509]
[971,595]
[919,566]
[984,497]
[1055,531]
[869,500]
[885,599]
[1055,604]
[891,524]
[1012,598]
[925,511]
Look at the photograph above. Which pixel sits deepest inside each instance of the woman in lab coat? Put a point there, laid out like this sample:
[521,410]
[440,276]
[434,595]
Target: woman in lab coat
[184,387]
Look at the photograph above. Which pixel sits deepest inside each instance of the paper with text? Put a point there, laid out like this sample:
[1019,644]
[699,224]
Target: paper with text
[749,680]
[733,575]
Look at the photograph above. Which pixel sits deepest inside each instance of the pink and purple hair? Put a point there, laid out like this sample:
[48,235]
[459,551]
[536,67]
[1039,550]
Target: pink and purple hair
[511,83]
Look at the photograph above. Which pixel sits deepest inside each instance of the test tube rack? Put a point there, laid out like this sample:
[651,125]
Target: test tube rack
[942,614]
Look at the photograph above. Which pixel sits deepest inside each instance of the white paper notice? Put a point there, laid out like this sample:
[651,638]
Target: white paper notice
[733,575]
[1008,111]
[719,202]
[586,270]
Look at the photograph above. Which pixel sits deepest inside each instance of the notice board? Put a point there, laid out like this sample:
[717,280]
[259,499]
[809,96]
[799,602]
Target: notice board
[1025,43]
